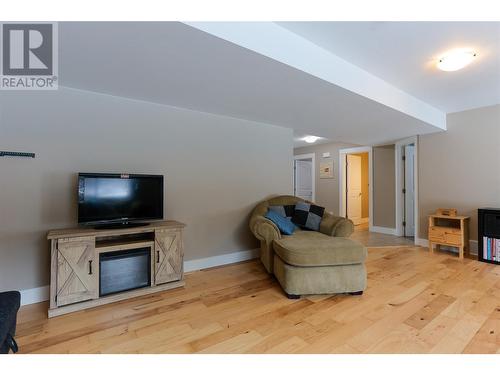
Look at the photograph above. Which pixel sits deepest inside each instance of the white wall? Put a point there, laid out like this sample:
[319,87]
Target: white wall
[460,168]
[216,169]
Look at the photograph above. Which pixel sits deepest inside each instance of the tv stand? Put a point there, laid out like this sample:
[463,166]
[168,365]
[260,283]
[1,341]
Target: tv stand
[77,254]
[125,224]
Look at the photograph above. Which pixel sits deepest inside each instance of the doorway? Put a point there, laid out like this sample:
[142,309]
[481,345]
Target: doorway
[304,177]
[407,188]
[355,186]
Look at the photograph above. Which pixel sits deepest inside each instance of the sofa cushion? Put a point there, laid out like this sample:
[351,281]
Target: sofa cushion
[308,215]
[284,225]
[306,248]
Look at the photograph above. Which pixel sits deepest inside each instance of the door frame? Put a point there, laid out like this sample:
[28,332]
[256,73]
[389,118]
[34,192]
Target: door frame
[311,156]
[399,186]
[342,180]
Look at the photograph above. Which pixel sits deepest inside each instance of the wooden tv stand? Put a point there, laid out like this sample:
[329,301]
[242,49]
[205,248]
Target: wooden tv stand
[75,255]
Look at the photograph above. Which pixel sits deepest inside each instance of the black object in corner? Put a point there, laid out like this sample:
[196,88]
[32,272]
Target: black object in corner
[9,305]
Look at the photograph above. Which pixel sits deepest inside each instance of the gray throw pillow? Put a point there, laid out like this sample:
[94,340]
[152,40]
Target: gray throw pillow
[308,215]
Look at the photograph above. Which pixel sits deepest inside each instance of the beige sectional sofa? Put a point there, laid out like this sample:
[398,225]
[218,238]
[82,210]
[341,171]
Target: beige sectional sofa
[310,262]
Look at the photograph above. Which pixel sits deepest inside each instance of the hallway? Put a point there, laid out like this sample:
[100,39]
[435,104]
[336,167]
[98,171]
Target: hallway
[372,239]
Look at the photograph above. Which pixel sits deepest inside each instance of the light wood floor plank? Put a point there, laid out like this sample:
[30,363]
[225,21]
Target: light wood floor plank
[487,339]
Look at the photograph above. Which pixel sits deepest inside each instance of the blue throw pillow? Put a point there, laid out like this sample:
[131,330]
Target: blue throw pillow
[284,225]
[285,211]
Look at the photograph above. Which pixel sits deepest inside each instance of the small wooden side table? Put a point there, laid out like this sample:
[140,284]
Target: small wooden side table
[456,236]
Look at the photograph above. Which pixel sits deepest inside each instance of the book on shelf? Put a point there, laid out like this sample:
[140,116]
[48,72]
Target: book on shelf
[491,249]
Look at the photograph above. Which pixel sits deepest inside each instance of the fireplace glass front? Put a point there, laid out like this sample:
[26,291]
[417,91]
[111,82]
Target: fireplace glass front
[124,270]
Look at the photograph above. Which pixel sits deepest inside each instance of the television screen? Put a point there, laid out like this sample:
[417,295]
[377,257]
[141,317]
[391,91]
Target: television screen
[117,198]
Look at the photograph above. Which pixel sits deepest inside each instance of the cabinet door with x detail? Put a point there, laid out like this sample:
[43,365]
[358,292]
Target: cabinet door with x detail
[76,266]
[168,256]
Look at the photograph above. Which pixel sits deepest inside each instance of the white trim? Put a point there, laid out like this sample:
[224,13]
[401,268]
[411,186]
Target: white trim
[342,193]
[35,295]
[220,260]
[399,185]
[421,242]
[313,174]
[342,157]
[473,246]
[40,294]
[384,230]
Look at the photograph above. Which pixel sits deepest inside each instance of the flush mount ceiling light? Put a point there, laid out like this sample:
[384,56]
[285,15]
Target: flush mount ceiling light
[456,59]
[311,139]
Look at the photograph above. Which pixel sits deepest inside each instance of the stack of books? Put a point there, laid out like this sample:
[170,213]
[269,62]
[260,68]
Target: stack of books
[491,249]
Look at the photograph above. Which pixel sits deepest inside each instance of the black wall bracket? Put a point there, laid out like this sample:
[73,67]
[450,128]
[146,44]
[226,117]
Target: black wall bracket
[18,154]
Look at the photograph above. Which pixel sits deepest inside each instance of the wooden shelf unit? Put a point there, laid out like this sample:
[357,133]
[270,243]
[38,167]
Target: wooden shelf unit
[449,231]
[488,225]
[74,276]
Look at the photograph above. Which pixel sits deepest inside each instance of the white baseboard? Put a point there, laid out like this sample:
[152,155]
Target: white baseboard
[384,230]
[472,245]
[35,295]
[40,294]
[220,260]
[422,242]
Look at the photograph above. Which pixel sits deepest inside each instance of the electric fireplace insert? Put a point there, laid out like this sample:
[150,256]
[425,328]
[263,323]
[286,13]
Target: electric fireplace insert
[124,270]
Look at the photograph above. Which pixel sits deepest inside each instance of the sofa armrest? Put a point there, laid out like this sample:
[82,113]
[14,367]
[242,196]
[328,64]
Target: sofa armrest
[344,228]
[264,229]
[336,226]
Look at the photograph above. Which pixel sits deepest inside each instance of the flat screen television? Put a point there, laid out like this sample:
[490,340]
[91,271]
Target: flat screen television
[109,199]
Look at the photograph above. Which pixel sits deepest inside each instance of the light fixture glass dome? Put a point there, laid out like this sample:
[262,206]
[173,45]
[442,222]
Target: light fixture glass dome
[311,139]
[456,59]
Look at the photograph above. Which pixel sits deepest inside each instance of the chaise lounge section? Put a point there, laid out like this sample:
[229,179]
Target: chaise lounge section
[310,262]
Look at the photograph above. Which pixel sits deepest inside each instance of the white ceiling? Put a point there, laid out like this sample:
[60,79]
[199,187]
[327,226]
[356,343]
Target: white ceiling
[175,64]
[404,54]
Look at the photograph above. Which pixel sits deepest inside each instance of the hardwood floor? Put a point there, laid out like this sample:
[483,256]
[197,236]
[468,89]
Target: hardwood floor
[415,303]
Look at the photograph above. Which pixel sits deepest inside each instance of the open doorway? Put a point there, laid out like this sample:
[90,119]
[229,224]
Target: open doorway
[407,188]
[304,177]
[355,191]
[357,197]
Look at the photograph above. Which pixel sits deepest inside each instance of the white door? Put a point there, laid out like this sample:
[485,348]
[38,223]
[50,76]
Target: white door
[303,179]
[409,195]
[354,188]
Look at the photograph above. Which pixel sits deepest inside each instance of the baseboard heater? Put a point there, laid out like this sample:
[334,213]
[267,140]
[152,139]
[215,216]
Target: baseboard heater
[120,271]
